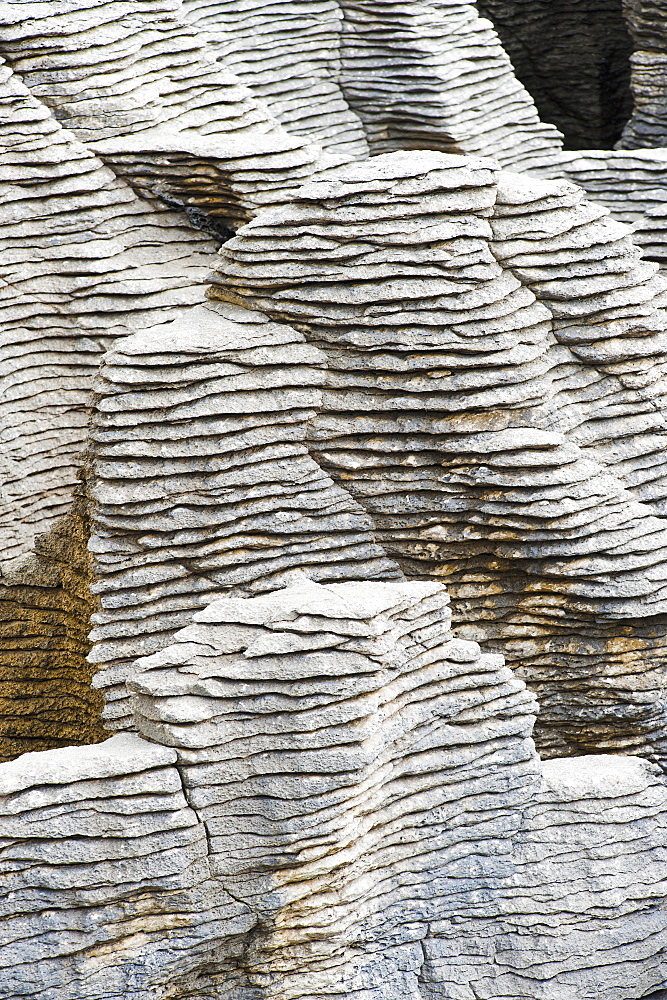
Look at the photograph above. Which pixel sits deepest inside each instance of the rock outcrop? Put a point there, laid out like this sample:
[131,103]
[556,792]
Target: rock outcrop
[434,76]
[494,400]
[333,797]
[83,261]
[157,107]
[201,482]
[630,183]
[648,124]
[290,56]
[106,884]
[418,368]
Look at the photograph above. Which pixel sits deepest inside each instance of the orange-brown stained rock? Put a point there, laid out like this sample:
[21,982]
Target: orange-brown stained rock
[46,700]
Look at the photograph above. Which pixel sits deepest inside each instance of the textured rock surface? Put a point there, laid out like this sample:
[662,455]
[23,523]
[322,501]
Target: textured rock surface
[343,800]
[329,794]
[46,699]
[157,107]
[434,75]
[83,260]
[631,184]
[289,55]
[106,890]
[648,124]
[201,482]
[380,74]
[494,400]
[573,56]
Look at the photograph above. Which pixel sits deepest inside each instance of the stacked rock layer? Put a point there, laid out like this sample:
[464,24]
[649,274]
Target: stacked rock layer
[83,261]
[371,793]
[630,183]
[434,76]
[648,124]
[495,401]
[290,56]
[156,105]
[380,74]
[201,482]
[106,888]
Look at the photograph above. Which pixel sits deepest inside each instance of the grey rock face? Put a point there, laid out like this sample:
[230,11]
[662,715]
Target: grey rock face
[491,340]
[333,795]
[83,261]
[199,473]
[422,365]
[157,107]
[106,889]
[648,125]
[382,75]
[434,75]
[290,56]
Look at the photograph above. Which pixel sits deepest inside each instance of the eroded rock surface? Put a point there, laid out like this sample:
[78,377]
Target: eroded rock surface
[199,472]
[648,124]
[83,261]
[157,107]
[334,796]
[495,401]
[421,365]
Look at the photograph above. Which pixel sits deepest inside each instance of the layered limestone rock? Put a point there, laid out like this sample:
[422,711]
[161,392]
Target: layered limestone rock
[106,886]
[334,796]
[201,482]
[83,260]
[156,106]
[380,74]
[327,738]
[648,124]
[425,359]
[494,400]
[631,184]
[434,76]
[290,56]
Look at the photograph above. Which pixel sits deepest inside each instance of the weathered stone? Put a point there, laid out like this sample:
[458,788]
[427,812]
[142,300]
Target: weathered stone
[199,471]
[495,402]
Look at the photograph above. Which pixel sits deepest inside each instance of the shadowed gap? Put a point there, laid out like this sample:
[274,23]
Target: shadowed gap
[573,57]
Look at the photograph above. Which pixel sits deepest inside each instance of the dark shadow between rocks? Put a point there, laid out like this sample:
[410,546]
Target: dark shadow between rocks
[573,56]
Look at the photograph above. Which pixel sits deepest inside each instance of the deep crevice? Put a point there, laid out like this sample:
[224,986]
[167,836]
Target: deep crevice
[573,57]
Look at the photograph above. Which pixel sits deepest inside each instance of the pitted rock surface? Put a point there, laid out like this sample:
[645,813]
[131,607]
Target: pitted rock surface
[157,107]
[495,399]
[331,795]
[199,471]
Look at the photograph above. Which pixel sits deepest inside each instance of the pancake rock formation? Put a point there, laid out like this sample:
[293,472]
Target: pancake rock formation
[331,796]
[495,400]
[333,577]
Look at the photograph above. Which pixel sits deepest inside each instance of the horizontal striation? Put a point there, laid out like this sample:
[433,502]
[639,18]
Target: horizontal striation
[106,889]
[289,55]
[494,399]
[433,75]
[201,482]
[140,88]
